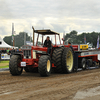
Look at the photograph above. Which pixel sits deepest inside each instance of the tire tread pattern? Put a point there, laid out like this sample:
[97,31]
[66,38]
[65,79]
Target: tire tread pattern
[58,61]
[65,69]
[42,68]
[13,65]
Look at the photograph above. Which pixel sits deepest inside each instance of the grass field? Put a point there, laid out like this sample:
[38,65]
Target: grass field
[4,64]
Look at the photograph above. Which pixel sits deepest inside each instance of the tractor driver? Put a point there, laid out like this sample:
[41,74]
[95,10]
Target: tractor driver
[48,44]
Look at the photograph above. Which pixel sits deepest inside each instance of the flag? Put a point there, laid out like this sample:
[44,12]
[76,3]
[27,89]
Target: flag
[12,38]
[85,39]
[98,42]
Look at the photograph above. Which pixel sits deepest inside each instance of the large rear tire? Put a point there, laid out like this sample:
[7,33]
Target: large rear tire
[44,67]
[68,60]
[14,65]
[54,56]
[58,61]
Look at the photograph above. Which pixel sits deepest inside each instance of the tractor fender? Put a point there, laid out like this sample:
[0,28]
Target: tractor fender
[21,56]
[61,46]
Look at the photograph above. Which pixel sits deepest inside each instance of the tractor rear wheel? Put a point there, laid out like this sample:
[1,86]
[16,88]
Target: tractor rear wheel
[54,56]
[68,60]
[58,61]
[44,67]
[14,65]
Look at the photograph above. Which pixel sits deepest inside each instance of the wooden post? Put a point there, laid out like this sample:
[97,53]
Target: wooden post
[13,42]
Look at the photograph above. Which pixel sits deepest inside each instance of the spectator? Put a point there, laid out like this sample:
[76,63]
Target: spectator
[16,50]
[8,51]
[12,51]
[0,53]
[20,51]
[5,50]
[2,50]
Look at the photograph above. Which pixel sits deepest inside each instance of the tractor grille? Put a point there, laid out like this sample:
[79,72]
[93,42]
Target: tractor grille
[27,54]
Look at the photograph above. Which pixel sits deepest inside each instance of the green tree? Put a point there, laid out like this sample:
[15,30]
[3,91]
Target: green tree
[74,38]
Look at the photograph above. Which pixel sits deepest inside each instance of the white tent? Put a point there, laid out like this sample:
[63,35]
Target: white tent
[4,44]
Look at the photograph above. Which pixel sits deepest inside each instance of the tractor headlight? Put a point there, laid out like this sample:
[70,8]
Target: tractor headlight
[24,56]
[34,54]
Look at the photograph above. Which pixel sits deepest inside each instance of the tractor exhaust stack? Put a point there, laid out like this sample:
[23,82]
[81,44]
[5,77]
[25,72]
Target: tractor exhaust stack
[33,35]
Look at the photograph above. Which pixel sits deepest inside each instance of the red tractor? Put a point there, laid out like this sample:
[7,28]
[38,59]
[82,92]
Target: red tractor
[36,58]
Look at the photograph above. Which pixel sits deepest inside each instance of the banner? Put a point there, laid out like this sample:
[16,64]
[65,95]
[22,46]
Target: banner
[5,56]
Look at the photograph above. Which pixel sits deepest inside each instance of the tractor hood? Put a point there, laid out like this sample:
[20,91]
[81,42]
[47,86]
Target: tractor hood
[39,49]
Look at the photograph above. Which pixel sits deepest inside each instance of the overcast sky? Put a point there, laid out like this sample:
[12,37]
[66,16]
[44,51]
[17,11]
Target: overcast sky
[57,15]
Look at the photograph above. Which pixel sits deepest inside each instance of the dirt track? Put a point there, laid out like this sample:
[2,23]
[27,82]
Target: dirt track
[30,86]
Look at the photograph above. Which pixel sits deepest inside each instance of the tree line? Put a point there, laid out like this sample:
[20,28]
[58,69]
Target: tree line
[72,37]
[75,38]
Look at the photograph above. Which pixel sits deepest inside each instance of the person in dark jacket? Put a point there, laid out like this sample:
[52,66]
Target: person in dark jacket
[5,50]
[13,51]
[69,44]
[2,50]
[48,44]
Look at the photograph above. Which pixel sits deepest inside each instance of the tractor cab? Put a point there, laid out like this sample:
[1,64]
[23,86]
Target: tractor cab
[41,37]
[44,33]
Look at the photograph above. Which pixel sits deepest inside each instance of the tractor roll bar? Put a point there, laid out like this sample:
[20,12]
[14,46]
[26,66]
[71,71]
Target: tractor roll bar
[33,35]
[45,32]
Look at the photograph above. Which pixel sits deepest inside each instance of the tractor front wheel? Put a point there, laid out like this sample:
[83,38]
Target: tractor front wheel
[44,67]
[14,65]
